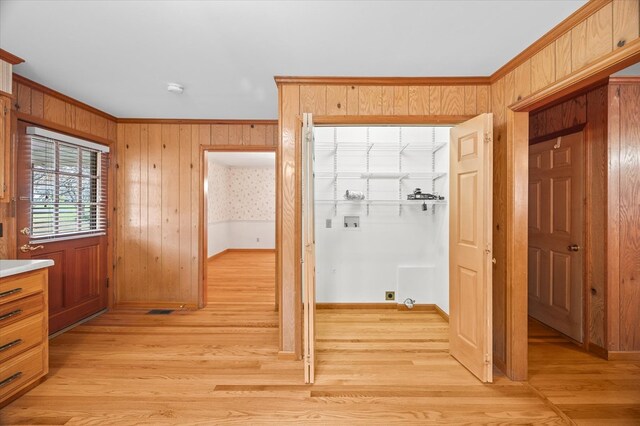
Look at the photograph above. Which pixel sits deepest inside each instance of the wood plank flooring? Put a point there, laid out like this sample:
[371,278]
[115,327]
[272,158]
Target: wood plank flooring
[219,365]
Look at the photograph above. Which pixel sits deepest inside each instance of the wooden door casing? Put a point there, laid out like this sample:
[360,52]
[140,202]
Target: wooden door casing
[78,280]
[470,246]
[556,222]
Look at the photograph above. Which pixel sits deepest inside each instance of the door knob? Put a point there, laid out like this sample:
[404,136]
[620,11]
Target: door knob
[573,247]
[25,231]
[26,248]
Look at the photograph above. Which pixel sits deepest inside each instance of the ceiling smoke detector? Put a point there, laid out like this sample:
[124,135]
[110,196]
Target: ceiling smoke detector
[175,88]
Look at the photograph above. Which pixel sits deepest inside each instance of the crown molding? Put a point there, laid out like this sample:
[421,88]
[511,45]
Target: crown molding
[385,81]
[194,121]
[10,57]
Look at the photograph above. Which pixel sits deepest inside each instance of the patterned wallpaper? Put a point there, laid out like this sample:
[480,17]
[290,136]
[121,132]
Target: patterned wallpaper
[237,193]
[217,197]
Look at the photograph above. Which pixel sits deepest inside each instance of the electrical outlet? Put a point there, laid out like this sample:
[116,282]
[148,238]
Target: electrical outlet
[389,295]
[327,223]
[257,240]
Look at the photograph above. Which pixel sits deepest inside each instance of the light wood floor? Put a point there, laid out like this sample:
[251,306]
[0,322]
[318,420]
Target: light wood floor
[239,277]
[219,365]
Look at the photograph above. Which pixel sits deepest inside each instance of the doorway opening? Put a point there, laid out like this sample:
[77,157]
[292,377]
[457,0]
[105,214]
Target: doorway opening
[556,233]
[580,180]
[383,233]
[239,239]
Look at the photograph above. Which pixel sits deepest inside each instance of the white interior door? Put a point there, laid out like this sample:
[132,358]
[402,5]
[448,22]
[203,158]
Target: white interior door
[555,233]
[308,249]
[470,245]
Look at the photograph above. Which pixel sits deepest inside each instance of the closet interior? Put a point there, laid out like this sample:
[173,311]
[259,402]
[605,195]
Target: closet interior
[382,215]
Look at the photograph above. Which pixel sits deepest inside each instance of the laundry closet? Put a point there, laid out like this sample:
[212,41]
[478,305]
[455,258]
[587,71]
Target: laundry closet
[381,201]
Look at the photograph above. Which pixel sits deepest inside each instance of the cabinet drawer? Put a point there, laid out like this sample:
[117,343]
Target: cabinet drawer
[19,286]
[20,336]
[20,371]
[21,308]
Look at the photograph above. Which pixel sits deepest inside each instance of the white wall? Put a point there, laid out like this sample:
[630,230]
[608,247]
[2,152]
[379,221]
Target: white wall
[407,252]
[241,207]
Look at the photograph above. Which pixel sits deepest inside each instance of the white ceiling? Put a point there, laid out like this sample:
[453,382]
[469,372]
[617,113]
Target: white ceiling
[119,56]
[266,160]
[633,70]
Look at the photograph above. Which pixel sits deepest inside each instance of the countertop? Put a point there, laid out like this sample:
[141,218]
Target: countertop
[14,267]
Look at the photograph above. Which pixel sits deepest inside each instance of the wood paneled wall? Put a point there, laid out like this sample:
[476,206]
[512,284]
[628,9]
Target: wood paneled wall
[157,259]
[40,104]
[45,107]
[623,297]
[372,101]
[586,37]
[6,74]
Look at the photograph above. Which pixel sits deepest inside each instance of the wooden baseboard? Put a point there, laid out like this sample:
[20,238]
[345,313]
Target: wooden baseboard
[417,307]
[597,350]
[287,356]
[395,306]
[623,355]
[252,250]
[443,314]
[239,250]
[156,305]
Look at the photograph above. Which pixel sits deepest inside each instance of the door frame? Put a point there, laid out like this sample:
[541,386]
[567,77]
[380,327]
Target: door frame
[517,203]
[356,121]
[202,214]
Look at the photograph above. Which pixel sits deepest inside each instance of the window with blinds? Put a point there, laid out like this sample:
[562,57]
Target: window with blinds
[68,189]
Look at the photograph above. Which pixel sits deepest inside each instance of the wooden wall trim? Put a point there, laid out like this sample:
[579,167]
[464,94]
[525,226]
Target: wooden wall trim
[10,57]
[386,81]
[192,121]
[240,148]
[366,120]
[583,78]
[574,19]
[626,79]
[517,243]
[17,78]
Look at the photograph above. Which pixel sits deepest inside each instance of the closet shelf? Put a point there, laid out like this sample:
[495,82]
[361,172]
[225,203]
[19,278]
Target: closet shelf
[379,175]
[381,202]
[378,146]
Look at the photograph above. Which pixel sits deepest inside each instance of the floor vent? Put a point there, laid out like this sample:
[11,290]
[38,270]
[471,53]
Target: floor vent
[160,312]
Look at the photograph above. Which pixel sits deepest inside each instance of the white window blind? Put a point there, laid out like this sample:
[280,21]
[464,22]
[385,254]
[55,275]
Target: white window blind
[68,188]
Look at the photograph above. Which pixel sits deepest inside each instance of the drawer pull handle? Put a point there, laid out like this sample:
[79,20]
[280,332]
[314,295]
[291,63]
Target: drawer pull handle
[10,314]
[10,345]
[10,292]
[10,379]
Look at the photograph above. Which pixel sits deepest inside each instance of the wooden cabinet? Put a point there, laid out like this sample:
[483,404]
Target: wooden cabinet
[24,344]
[5,147]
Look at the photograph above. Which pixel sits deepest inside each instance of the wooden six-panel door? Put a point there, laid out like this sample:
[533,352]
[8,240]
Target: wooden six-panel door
[470,246]
[556,233]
